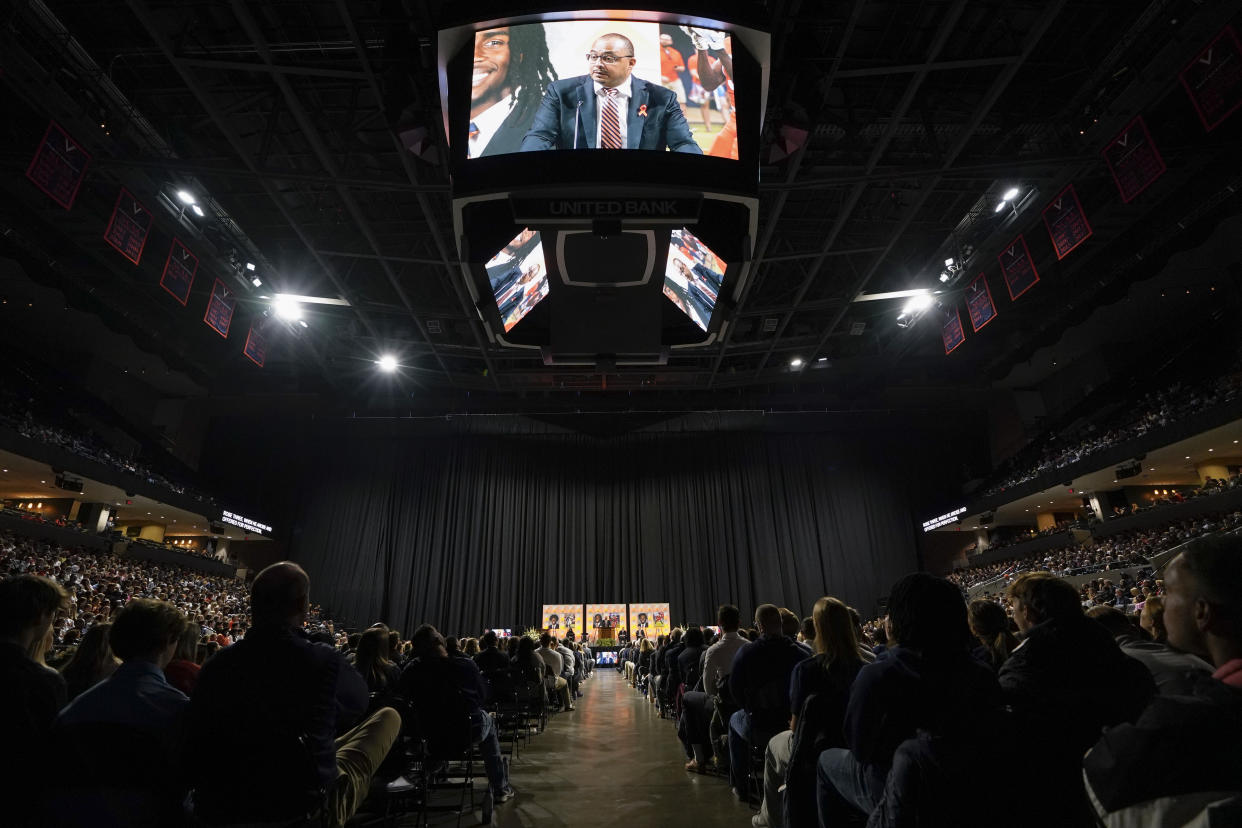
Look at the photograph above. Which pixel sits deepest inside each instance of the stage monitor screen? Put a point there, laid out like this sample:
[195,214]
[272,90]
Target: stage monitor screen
[606,658]
[692,277]
[519,277]
[547,86]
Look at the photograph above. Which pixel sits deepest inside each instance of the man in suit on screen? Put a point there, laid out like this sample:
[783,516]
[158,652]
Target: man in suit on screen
[609,108]
[511,68]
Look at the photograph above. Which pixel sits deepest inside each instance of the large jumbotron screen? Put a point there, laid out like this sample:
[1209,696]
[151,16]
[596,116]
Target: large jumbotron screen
[541,86]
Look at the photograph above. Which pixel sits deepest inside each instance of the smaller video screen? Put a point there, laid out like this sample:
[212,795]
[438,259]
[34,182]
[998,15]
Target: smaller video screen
[502,632]
[519,277]
[606,658]
[692,277]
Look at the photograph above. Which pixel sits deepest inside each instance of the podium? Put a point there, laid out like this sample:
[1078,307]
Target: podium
[605,635]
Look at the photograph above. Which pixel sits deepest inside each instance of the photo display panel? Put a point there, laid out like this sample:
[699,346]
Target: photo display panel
[519,277]
[546,86]
[693,275]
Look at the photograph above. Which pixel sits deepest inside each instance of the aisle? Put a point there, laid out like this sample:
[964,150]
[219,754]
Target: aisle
[613,763]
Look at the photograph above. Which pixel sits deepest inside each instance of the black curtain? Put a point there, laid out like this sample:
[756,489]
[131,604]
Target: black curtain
[468,532]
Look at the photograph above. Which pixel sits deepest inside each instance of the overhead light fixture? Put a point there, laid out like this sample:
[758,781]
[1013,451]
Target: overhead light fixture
[256,281]
[1010,194]
[1000,205]
[387,363]
[198,211]
[944,277]
[302,322]
[186,196]
[249,265]
[919,303]
[796,362]
[825,359]
[948,262]
[287,308]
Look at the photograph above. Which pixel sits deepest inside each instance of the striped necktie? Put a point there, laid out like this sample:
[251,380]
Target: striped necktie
[609,123]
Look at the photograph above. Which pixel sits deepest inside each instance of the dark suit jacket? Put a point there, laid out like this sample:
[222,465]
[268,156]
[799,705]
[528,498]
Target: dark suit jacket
[560,117]
[509,137]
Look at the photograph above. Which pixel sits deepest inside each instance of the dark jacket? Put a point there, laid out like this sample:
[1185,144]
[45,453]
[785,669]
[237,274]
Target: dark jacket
[568,114]
[1179,745]
[689,665]
[30,697]
[491,658]
[759,679]
[269,709]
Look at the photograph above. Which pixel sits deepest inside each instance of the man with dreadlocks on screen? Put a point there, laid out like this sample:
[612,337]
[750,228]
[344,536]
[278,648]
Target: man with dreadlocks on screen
[511,70]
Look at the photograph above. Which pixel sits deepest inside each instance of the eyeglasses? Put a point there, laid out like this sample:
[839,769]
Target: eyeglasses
[608,58]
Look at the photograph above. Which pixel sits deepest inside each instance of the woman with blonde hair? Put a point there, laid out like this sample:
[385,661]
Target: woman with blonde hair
[828,675]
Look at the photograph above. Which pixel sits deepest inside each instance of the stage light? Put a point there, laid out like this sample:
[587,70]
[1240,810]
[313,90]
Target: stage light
[387,363]
[1000,205]
[1010,194]
[198,211]
[302,322]
[918,303]
[948,262]
[288,309]
[796,362]
[249,265]
[944,277]
[825,359]
[186,196]
[256,281]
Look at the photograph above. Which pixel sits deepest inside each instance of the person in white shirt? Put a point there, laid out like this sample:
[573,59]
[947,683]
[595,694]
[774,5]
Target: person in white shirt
[556,665]
[697,707]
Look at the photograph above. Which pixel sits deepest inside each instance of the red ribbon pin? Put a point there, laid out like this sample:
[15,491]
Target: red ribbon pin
[642,111]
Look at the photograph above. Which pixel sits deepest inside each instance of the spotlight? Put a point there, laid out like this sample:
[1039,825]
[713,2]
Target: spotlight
[186,196]
[1000,205]
[250,266]
[948,262]
[387,363]
[198,211]
[796,362]
[302,322]
[1010,194]
[918,303]
[288,309]
[944,277]
[256,281]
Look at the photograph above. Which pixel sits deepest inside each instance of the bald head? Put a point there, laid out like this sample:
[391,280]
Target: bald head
[768,619]
[280,595]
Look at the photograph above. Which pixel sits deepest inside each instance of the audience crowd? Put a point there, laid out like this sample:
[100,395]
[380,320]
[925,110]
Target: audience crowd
[1151,412]
[1124,549]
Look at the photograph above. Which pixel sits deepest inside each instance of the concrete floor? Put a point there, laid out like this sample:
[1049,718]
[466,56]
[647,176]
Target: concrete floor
[611,762]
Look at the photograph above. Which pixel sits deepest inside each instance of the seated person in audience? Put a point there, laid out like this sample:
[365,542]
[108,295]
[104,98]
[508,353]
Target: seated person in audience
[829,675]
[697,708]
[990,626]
[927,680]
[555,682]
[1064,683]
[269,709]
[1183,750]
[182,671]
[1174,672]
[371,662]
[759,681]
[424,682]
[672,667]
[689,663]
[646,652]
[526,661]
[30,694]
[94,661]
[807,632]
[568,667]
[490,658]
[1151,618]
[791,626]
[588,657]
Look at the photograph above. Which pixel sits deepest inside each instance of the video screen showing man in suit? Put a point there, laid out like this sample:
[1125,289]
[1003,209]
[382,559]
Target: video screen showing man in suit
[606,84]
[510,72]
[693,277]
[519,277]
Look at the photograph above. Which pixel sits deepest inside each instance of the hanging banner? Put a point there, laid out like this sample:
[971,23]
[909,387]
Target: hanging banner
[59,166]
[220,307]
[559,619]
[129,226]
[604,622]
[952,333]
[979,303]
[179,271]
[1133,160]
[256,346]
[1213,80]
[1066,222]
[648,621]
[1017,268]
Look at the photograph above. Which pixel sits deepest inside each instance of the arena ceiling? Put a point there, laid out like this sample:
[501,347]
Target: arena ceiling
[283,116]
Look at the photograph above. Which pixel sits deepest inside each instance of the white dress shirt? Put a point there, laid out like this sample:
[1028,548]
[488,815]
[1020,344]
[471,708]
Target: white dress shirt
[488,123]
[718,660]
[624,92]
